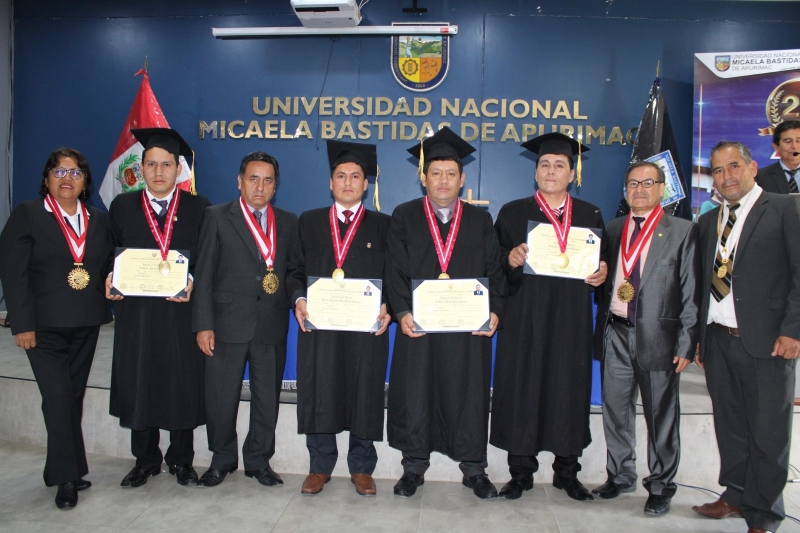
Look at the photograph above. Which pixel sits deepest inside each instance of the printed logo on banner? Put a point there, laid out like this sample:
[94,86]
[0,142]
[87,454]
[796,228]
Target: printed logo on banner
[420,62]
[722,63]
[783,104]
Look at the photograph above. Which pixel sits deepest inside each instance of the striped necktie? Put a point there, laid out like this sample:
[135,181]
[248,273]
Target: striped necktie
[721,286]
[792,181]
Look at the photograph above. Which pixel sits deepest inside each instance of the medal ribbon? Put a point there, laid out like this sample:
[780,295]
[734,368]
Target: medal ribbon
[630,256]
[340,247]
[163,239]
[562,228]
[266,243]
[443,251]
[77,245]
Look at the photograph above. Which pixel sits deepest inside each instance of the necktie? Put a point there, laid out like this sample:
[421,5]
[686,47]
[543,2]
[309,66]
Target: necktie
[721,287]
[258,216]
[636,276]
[348,216]
[163,205]
[560,214]
[792,181]
[444,215]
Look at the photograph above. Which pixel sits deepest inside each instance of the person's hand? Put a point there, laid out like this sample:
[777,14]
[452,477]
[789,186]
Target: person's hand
[786,347]
[598,278]
[682,363]
[518,255]
[301,313]
[108,290]
[26,340]
[408,328]
[205,340]
[384,319]
[697,359]
[493,322]
[183,299]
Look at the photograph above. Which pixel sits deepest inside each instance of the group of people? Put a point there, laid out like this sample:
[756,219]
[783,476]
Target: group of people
[664,290]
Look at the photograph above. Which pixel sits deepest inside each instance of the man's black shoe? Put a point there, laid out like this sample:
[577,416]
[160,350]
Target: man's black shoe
[266,476]
[214,477]
[657,505]
[406,487]
[610,490]
[82,484]
[516,486]
[138,476]
[184,474]
[67,496]
[573,488]
[481,486]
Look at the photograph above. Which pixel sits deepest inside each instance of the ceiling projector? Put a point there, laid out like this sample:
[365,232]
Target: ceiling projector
[327,13]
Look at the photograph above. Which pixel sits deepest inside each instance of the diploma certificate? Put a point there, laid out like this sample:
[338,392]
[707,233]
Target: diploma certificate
[449,305]
[583,252]
[346,305]
[138,272]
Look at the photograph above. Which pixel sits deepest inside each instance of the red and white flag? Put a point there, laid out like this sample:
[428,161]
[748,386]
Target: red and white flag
[124,173]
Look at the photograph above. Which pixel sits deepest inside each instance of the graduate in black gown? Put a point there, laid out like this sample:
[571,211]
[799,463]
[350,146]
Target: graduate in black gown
[341,374]
[157,369]
[439,383]
[543,367]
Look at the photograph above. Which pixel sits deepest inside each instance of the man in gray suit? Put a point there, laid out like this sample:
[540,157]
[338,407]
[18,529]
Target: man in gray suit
[647,331]
[241,314]
[782,177]
[748,343]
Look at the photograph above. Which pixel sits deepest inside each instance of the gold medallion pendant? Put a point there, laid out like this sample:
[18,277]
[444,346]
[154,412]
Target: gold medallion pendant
[270,282]
[562,261]
[78,278]
[723,269]
[164,267]
[444,275]
[625,292]
[338,275]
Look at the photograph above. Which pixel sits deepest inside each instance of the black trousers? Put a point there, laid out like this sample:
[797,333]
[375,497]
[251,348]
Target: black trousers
[753,402]
[61,362]
[144,446]
[526,465]
[224,372]
[420,465]
[361,455]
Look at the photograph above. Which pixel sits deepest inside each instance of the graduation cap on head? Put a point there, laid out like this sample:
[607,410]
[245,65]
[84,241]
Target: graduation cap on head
[364,155]
[444,143]
[559,144]
[169,140]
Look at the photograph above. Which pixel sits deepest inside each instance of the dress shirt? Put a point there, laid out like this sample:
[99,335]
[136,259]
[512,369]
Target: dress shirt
[617,306]
[74,220]
[155,206]
[340,209]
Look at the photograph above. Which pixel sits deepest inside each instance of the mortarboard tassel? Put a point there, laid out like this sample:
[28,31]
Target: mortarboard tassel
[192,188]
[375,200]
[421,160]
[579,160]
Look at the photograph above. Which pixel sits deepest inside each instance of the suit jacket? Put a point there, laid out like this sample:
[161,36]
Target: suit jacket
[228,294]
[772,178]
[766,272]
[35,260]
[668,300]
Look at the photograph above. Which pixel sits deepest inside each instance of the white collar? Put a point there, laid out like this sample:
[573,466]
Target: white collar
[168,197]
[64,213]
[341,209]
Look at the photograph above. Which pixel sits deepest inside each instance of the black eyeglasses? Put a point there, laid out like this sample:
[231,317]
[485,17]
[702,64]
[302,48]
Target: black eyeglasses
[632,184]
[74,173]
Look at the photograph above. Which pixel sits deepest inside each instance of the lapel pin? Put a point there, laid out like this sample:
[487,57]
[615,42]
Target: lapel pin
[176,219]
[369,245]
[660,234]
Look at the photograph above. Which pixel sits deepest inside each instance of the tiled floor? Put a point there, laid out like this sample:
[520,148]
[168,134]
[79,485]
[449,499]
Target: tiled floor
[242,505]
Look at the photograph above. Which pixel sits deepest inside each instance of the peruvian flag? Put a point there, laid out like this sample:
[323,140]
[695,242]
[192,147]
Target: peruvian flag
[124,174]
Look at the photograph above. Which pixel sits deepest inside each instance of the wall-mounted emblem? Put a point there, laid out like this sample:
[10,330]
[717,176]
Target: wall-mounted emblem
[722,63]
[420,62]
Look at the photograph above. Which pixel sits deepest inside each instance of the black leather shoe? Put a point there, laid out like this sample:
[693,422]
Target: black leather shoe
[610,490]
[481,486]
[184,474]
[266,476]
[82,484]
[214,477]
[657,505]
[67,496]
[407,486]
[516,486]
[573,488]
[138,476]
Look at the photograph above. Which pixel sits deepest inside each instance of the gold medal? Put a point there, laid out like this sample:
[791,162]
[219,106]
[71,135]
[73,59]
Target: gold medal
[562,261]
[444,275]
[164,268]
[338,275]
[723,270]
[78,278]
[270,282]
[625,292]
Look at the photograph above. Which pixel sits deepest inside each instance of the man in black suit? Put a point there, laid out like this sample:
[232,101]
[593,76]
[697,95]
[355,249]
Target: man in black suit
[242,314]
[782,177]
[646,335]
[749,343]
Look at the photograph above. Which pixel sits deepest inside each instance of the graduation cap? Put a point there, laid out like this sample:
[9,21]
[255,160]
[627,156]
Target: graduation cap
[444,143]
[169,140]
[559,144]
[364,155]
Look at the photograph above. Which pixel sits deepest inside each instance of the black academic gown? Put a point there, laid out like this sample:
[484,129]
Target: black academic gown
[543,365]
[340,374]
[157,370]
[439,384]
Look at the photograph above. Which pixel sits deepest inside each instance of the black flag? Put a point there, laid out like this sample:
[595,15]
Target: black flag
[653,137]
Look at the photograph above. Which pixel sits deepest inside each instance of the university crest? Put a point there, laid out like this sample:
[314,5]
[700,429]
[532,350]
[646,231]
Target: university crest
[420,62]
[722,63]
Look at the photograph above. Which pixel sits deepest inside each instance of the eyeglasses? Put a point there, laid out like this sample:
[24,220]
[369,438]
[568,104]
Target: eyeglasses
[74,174]
[632,184]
